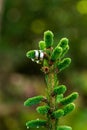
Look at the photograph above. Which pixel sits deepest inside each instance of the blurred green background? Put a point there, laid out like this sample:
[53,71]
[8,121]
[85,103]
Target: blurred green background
[22,24]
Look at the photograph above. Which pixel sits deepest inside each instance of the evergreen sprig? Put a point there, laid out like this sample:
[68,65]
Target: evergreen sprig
[52,64]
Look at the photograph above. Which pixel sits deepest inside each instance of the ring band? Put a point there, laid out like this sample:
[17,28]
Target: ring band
[36,54]
[41,54]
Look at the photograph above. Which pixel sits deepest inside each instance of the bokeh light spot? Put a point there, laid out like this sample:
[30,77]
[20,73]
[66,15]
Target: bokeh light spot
[82,7]
[38,26]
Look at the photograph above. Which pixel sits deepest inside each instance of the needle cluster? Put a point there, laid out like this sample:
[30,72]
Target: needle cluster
[55,104]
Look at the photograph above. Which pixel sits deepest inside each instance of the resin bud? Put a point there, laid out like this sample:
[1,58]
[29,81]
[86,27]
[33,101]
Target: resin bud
[31,54]
[36,123]
[43,109]
[68,108]
[63,43]
[59,90]
[33,100]
[48,38]
[65,51]
[42,45]
[56,53]
[64,64]
[59,98]
[69,99]
[57,114]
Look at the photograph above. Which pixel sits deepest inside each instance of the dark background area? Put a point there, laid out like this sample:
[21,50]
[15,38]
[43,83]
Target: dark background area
[22,25]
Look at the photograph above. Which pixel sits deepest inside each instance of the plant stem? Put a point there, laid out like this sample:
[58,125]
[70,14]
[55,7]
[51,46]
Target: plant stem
[51,80]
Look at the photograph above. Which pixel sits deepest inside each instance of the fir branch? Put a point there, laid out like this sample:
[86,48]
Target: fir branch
[52,64]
